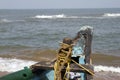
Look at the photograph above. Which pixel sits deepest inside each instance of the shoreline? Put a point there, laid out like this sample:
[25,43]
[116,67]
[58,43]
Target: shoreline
[49,54]
[37,55]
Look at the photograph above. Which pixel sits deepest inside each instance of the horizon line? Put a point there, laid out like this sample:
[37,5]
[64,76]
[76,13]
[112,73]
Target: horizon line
[54,8]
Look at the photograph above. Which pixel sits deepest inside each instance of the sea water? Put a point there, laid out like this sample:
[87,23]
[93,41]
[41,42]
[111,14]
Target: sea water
[22,30]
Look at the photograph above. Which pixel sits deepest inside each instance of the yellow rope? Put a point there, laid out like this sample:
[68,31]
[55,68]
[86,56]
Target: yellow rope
[67,72]
[91,72]
[63,58]
[55,69]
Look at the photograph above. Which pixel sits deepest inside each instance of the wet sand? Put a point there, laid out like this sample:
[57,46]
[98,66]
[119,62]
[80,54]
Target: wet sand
[3,73]
[106,76]
[48,54]
[107,60]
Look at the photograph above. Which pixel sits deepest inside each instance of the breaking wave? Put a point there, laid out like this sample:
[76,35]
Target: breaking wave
[50,16]
[62,16]
[100,68]
[4,21]
[111,15]
[59,16]
[9,21]
[12,65]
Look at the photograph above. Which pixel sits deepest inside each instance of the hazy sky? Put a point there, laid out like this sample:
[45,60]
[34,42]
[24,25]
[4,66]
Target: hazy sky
[41,4]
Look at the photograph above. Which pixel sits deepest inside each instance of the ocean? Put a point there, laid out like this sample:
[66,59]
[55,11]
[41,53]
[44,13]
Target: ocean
[25,35]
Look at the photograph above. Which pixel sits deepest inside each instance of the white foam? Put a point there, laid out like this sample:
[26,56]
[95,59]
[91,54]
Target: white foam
[9,21]
[4,21]
[12,65]
[50,16]
[65,16]
[112,15]
[100,68]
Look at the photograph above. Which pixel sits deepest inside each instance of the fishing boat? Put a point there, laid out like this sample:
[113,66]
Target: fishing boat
[73,61]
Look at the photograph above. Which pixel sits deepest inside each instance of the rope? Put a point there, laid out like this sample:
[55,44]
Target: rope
[91,72]
[63,58]
[67,72]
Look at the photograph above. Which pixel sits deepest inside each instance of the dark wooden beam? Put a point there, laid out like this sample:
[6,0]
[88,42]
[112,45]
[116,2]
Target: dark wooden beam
[46,65]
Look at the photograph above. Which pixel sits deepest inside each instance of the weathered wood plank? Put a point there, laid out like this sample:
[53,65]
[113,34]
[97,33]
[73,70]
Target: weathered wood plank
[50,66]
